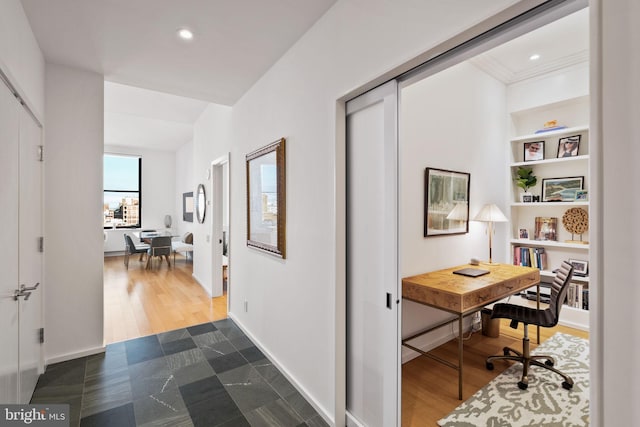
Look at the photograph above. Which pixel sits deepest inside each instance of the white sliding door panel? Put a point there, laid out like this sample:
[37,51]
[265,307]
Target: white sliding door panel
[372,259]
[31,263]
[9,149]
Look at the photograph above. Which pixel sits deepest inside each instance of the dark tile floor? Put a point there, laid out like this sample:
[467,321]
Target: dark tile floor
[204,375]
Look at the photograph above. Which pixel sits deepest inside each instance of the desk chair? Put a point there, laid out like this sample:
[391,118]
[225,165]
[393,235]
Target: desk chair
[160,247]
[546,318]
[131,249]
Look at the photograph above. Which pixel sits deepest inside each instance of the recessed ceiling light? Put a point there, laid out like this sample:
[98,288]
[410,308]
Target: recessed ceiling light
[534,57]
[185,34]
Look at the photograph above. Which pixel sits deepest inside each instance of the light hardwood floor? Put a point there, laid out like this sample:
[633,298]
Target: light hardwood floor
[430,389]
[139,302]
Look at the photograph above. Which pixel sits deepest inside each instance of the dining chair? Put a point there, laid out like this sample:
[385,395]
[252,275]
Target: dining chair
[160,247]
[131,249]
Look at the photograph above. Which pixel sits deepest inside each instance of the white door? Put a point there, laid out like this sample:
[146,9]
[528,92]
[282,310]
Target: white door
[31,263]
[217,221]
[9,197]
[373,344]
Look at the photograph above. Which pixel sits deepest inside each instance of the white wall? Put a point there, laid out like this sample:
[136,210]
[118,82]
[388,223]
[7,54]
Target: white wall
[74,130]
[184,184]
[614,162]
[211,140]
[454,120]
[294,300]
[20,56]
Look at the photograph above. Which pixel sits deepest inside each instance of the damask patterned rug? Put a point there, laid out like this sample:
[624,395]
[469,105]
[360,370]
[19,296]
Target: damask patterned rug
[545,403]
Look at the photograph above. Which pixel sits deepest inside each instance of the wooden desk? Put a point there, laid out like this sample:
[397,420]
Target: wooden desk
[462,296]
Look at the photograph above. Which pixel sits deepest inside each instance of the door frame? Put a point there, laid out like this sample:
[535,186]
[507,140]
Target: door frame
[520,18]
[218,204]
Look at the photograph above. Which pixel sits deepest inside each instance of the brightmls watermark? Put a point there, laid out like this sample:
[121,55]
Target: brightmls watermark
[34,415]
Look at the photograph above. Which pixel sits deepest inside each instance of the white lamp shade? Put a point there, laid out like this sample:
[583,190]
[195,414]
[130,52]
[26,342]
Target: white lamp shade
[490,213]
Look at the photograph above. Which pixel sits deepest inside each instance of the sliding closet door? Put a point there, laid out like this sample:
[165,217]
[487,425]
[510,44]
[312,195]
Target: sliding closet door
[372,259]
[9,146]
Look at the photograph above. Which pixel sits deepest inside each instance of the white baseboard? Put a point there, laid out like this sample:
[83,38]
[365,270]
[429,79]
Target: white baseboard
[319,409]
[208,291]
[76,355]
[353,421]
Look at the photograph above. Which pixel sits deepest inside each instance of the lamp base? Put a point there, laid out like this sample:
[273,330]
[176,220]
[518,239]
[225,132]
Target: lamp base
[490,263]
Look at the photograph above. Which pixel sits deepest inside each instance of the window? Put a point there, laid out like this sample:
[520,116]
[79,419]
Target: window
[122,194]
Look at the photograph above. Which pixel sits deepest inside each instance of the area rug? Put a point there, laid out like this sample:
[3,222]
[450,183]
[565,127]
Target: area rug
[545,403]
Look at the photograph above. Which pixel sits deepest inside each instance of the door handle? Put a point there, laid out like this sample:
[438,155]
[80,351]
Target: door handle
[24,288]
[24,291]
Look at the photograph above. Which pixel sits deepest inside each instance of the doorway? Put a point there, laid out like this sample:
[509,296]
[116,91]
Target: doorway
[423,145]
[220,227]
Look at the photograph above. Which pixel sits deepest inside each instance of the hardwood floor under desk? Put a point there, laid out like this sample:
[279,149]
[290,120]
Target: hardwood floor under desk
[140,302]
[429,389]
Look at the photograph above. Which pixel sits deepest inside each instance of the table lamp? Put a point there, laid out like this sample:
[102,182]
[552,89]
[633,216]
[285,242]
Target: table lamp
[490,213]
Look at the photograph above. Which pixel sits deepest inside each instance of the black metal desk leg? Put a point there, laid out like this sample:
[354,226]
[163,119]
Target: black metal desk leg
[460,339]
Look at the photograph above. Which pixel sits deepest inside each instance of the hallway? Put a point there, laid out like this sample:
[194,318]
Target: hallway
[205,375]
[140,302]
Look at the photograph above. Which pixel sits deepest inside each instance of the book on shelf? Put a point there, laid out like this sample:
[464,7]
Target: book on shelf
[530,257]
[578,296]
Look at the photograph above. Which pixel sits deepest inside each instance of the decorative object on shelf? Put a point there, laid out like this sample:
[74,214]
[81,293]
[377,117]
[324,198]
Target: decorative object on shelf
[490,213]
[266,198]
[167,221]
[201,204]
[187,206]
[568,146]
[533,150]
[546,228]
[580,267]
[561,189]
[582,196]
[551,125]
[576,221]
[446,202]
[525,179]
[523,233]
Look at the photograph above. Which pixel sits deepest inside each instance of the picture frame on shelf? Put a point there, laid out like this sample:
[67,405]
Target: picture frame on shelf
[561,189]
[533,150]
[546,228]
[568,146]
[446,202]
[580,267]
[523,233]
[527,198]
[582,196]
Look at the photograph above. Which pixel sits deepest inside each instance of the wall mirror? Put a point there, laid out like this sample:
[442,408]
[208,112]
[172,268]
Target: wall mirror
[187,206]
[266,219]
[446,202]
[201,203]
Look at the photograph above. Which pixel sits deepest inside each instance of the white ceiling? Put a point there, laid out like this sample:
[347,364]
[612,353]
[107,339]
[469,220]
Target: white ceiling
[133,44]
[560,44]
[135,117]
[134,41]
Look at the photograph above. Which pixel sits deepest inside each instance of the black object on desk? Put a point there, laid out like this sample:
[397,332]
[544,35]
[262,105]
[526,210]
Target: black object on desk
[471,272]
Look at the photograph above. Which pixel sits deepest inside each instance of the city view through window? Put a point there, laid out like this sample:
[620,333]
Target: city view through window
[122,178]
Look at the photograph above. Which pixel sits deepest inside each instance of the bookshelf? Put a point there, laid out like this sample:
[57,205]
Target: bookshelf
[564,246]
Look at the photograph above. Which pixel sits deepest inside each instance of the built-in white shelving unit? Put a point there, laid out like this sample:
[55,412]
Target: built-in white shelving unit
[523,214]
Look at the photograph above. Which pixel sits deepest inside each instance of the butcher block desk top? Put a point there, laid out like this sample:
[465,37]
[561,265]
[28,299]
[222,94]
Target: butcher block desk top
[462,294]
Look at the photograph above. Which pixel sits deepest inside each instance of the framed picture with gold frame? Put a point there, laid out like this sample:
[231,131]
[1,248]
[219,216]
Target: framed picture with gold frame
[266,198]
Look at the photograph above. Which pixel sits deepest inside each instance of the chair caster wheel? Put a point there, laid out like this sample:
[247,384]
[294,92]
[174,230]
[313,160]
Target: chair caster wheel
[522,386]
[489,366]
[566,385]
[548,362]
